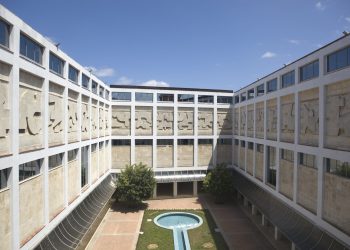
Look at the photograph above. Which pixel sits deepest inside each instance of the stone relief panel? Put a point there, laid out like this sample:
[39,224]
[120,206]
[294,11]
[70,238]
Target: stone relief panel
[259,120]
[224,122]
[5,219]
[165,121]
[250,121]
[102,125]
[107,131]
[242,122]
[56,112]
[5,110]
[94,119]
[85,118]
[287,118]
[205,121]
[309,119]
[143,120]
[73,117]
[185,121]
[271,116]
[236,121]
[56,196]
[337,112]
[30,112]
[121,117]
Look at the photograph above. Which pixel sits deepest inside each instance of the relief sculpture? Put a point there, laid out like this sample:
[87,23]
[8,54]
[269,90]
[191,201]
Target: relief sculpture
[94,121]
[121,119]
[4,110]
[259,122]
[271,117]
[72,120]
[205,121]
[101,120]
[185,121]
[236,122]
[55,119]
[243,121]
[143,121]
[287,119]
[250,121]
[85,120]
[309,117]
[165,121]
[224,121]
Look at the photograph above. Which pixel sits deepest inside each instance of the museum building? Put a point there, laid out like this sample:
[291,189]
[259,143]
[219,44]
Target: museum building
[65,134]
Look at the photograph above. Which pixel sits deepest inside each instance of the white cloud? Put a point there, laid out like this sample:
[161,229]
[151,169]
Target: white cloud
[347,19]
[103,72]
[293,41]
[154,83]
[320,6]
[268,54]
[124,81]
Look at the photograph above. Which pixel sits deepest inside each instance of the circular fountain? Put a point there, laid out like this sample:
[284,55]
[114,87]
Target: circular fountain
[179,222]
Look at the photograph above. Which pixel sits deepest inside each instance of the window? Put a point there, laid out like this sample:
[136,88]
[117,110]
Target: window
[224,99]
[287,155]
[185,142]
[73,74]
[205,142]
[56,64]
[29,169]
[260,148]
[4,177]
[143,97]
[272,85]
[107,94]
[72,155]
[121,142]
[224,141]
[338,59]
[250,145]
[102,90]
[94,87]
[85,81]
[242,144]
[100,145]
[243,97]
[309,71]
[250,94]
[206,99]
[121,96]
[165,97]
[30,49]
[236,99]
[143,142]
[93,147]
[185,98]
[288,79]
[55,160]
[164,142]
[236,142]
[260,90]
[4,33]
[84,165]
[307,160]
[338,168]
[271,165]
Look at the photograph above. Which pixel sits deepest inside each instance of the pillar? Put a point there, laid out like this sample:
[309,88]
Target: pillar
[175,189]
[195,188]
[263,220]
[254,210]
[277,234]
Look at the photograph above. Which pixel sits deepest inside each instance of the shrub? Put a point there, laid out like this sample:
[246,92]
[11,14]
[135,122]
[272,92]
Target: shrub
[219,183]
[135,184]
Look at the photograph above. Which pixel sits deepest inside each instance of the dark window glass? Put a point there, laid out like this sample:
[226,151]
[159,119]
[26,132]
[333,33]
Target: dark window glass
[260,90]
[185,142]
[121,96]
[243,144]
[73,74]
[101,91]
[84,165]
[206,99]
[72,155]
[121,142]
[338,168]
[93,147]
[224,99]
[250,94]
[185,98]
[165,97]
[338,59]
[85,81]
[250,145]
[55,160]
[107,94]
[309,71]
[307,160]
[236,142]
[56,64]
[94,87]
[4,33]
[205,141]
[236,99]
[271,165]
[31,49]
[164,142]
[29,169]
[243,97]
[288,79]
[143,97]
[224,141]
[4,177]
[143,142]
[272,85]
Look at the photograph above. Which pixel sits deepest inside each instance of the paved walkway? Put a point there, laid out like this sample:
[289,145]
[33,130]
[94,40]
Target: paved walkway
[119,228]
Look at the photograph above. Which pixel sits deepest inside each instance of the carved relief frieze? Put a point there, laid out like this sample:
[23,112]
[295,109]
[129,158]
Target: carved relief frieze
[287,118]
[56,121]
[143,120]
[236,121]
[271,116]
[94,119]
[259,120]
[85,118]
[101,116]
[205,121]
[73,117]
[5,110]
[185,121]
[121,116]
[250,121]
[243,116]
[165,121]
[224,121]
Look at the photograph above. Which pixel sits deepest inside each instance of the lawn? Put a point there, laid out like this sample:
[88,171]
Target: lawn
[203,237]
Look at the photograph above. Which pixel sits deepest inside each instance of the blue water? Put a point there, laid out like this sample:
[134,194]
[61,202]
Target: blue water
[179,223]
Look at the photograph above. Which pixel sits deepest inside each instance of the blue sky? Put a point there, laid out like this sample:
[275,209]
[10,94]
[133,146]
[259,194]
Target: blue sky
[186,43]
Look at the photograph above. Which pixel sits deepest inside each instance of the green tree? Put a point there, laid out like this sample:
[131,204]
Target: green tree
[135,184]
[219,183]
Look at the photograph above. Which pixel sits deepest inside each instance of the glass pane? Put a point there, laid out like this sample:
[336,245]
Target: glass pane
[144,97]
[185,98]
[85,81]
[56,64]
[165,97]
[4,33]
[30,49]
[331,62]
[121,96]
[342,58]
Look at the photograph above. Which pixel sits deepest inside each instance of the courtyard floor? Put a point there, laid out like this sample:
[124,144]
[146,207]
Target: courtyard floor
[120,228]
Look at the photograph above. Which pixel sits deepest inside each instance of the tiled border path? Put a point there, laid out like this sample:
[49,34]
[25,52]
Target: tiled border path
[120,229]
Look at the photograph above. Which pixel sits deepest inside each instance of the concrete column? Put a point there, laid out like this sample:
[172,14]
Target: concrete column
[245,201]
[175,189]
[263,220]
[254,210]
[293,246]
[277,234]
[195,188]
[320,162]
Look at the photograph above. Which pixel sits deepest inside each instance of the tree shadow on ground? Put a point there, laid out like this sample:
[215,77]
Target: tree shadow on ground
[127,208]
